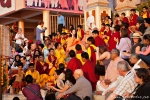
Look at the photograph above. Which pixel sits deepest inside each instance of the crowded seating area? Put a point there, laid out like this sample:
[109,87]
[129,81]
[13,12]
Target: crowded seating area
[107,63]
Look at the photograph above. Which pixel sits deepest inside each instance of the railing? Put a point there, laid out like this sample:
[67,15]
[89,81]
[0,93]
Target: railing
[75,21]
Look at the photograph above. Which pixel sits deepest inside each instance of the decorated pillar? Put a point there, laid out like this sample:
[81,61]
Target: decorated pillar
[21,25]
[5,52]
[95,12]
[125,6]
[1,64]
[46,20]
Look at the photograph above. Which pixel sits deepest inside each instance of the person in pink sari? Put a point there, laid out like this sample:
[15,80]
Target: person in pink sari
[64,4]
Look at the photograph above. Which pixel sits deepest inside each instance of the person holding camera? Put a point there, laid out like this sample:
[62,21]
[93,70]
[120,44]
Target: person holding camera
[40,32]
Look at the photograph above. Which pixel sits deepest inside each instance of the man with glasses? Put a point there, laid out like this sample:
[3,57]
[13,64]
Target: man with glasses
[25,63]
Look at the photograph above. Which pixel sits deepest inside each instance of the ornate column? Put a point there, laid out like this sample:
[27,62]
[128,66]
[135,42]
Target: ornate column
[1,64]
[125,6]
[21,25]
[95,12]
[46,20]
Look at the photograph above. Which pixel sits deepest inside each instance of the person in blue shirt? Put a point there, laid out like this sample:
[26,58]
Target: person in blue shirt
[40,32]
[61,22]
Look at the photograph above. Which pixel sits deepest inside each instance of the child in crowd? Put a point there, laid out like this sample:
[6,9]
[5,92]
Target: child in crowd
[18,82]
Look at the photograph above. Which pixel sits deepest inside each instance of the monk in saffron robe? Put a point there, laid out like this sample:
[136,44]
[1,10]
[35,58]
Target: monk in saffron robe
[101,32]
[69,42]
[51,60]
[65,38]
[145,13]
[91,49]
[58,39]
[98,41]
[116,20]
[80,33]
[34,73]
[74,63]
[62,41]
[59,53]
[43,68]
[107,34]
[79,51]
[89,70]
[124,18]
[64,30]
[133,18]
[112,43]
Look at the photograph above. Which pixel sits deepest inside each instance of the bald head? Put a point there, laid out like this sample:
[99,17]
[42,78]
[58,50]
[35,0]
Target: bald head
[78,73]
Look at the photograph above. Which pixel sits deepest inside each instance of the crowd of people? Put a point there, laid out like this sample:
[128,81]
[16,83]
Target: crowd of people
[74,64]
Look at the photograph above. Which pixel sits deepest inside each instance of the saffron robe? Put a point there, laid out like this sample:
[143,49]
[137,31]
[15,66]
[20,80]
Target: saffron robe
[69,43]
[91,53]
[39,68]
[89,73]
[145,15]
[60,55]
[74,64]
[78,55]
[101,32]
[65,31]
[132,21]
[80,34]
[62,41]
[108,35]
[112,43]
[34,74]
[99,41]
[50,62]
[72,42]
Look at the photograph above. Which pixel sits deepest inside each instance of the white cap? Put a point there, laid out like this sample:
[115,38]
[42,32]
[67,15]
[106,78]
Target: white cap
[25,39]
